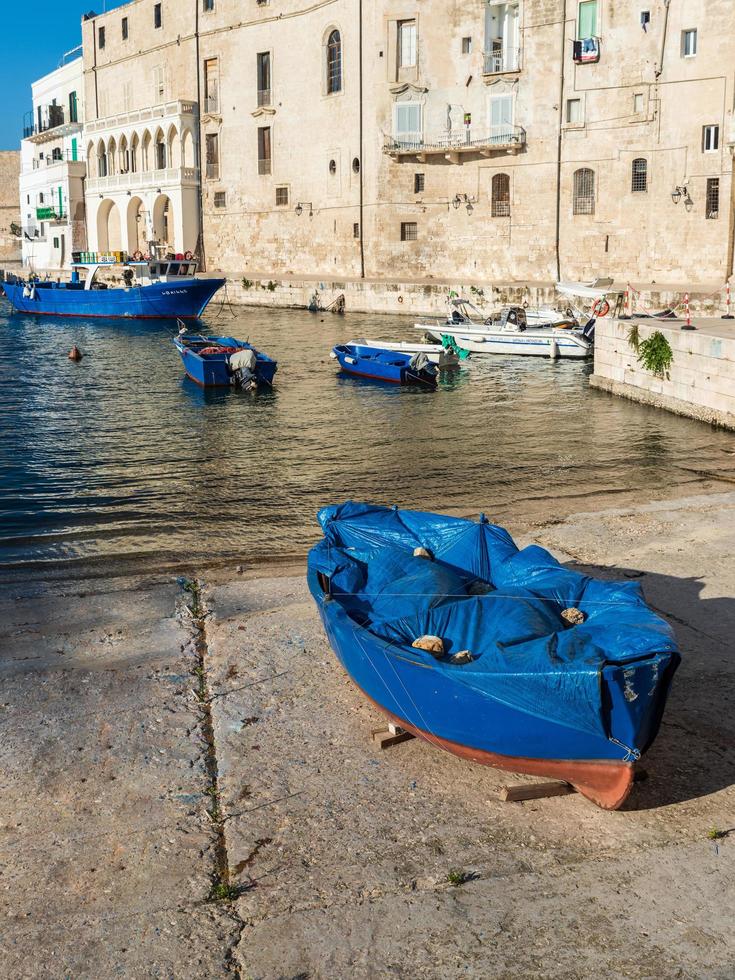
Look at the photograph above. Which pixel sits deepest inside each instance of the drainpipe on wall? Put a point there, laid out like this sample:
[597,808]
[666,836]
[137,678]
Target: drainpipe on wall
[559,139]
[202,253]
[94,69]
[361,146]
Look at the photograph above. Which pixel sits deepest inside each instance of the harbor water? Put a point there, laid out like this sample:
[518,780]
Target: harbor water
[120,464]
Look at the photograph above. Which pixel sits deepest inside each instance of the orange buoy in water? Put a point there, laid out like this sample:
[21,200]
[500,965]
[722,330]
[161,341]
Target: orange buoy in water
[75,354]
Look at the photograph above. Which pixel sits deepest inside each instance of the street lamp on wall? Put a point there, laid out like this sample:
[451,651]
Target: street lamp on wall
[465,199]
[299,209]
[678,193]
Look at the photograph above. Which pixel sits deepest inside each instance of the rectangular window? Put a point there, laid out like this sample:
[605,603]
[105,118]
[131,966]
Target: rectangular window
[125,28]
[264,77]
[587,19]
[159,83]
[407,122]
[356,230]
[638,102]
[419,183]
[574,111]
[466,45]
[710,139]
[212,144]
[409,231]
[406,43]
[264,150]
[101,38]
[712,204]
[688,43]
[645,19]
[56,242]
[501,118]
[157,15]
[220,197]
[281,197]
[207,5]
[211,85]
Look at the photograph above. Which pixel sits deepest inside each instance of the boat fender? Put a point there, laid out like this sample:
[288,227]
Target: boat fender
[432,644]
[350,360]
[26,292]
[75,354]
[601,307]
[462,657]
[572,616]
[333,355]
[422,553]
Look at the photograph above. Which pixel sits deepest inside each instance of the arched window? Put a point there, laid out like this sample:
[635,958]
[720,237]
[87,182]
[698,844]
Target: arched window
[584,191]
[500,198]
[639,175]
[334,63]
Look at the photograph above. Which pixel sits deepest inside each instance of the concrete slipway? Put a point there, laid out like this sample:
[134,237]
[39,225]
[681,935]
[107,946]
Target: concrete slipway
[131,781]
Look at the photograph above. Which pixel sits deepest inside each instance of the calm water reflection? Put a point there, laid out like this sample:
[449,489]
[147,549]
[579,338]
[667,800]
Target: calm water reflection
[123,462]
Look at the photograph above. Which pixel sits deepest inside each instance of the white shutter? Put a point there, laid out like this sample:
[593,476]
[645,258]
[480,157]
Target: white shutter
[407,122]
[501,118]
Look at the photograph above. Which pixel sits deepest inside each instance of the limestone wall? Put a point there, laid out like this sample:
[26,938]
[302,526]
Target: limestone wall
[10,245]
[700,382]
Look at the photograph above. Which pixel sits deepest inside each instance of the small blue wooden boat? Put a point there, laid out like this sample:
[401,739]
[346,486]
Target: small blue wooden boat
[224,361]
[150,290]
[385,365]
[536,668]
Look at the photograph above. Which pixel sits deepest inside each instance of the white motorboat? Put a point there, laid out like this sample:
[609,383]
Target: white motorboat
[509,333]
[443,357]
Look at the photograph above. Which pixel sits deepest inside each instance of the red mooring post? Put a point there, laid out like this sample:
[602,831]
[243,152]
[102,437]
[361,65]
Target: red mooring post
[728,314]
[688,324]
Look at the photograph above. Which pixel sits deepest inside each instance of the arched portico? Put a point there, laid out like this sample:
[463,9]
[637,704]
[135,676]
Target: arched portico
[109,234]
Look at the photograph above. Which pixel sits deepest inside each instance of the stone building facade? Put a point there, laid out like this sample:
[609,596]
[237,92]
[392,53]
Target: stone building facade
[10,215]
[445,139]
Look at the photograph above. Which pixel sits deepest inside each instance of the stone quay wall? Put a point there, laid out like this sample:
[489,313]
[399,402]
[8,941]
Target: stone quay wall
[700,382]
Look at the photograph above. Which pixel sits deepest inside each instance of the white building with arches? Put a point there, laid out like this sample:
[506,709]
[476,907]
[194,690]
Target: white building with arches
[143,180]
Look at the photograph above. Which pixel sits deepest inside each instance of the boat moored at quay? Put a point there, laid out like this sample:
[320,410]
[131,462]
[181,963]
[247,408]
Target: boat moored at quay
[152,289]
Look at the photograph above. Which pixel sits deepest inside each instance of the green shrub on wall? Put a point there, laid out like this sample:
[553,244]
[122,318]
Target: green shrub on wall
[654,353]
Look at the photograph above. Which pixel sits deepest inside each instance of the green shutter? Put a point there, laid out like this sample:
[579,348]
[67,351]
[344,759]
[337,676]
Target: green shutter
[74,151]
[587,18]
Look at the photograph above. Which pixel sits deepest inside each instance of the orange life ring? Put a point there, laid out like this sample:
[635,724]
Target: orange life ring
[137,256]
[601,308]
[188,256]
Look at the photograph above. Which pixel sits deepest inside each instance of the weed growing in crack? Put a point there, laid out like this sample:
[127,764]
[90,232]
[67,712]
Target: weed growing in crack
[457,877]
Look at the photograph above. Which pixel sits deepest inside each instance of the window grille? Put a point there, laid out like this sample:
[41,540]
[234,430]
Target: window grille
[419,183]
[356,230]
[220,199]
[334,63]
[584,191]
[712,204]
[639,175]
[409,231]
[500,196]
[281,197]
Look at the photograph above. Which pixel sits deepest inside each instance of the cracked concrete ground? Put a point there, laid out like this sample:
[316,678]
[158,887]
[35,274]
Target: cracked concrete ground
[341,852]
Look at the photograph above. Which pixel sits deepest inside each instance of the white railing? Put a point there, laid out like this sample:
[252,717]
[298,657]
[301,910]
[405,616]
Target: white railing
[466,139]
[172,176]
[502,58]
[163,111]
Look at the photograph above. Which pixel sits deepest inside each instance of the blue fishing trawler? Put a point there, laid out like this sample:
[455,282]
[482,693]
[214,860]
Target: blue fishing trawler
[380,364]
[217,362]
[153,289]
[501,656]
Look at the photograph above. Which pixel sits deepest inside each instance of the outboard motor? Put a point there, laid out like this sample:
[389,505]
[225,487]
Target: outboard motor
[242,369]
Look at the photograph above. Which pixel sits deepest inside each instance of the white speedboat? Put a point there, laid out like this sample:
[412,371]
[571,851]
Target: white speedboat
[443,357]
[509,333]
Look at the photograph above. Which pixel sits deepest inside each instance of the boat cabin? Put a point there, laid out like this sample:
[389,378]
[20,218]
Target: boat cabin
[141,273]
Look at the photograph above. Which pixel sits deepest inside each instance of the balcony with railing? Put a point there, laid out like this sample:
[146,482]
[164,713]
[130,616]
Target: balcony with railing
[145,180]
[60,158]
[454,145]
[50,122]
[153,114]
[501,58]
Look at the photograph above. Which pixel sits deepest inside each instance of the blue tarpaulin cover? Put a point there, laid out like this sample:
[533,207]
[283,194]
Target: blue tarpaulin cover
[481,593]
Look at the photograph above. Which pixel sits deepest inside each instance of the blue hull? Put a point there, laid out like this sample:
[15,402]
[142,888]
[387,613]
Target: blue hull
[212,371]
[490,716]
[185,300]
[379,364]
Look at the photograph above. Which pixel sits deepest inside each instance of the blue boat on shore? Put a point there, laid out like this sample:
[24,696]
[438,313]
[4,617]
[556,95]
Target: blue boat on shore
[148,290]
[224,361]
[380,364]
[499,655]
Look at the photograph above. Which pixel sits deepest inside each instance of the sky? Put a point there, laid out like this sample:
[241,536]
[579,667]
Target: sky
[31,50]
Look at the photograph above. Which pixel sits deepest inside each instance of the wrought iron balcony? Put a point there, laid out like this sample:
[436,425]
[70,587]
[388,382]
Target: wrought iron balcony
[501,58]
[453,145]
[52,121]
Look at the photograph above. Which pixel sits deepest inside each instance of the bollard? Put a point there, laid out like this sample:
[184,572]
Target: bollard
[728,315]
[688,324]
